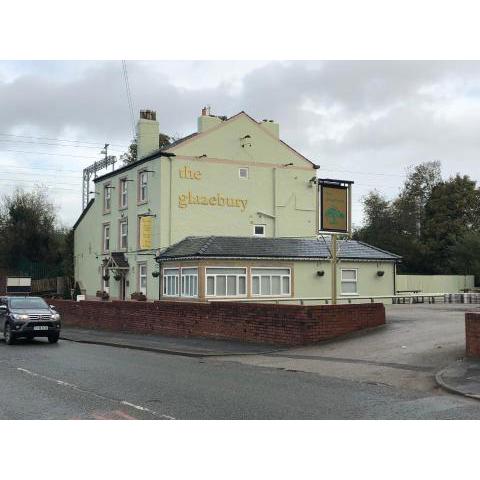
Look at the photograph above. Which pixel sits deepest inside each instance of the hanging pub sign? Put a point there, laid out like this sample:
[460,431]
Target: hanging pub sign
[335,205]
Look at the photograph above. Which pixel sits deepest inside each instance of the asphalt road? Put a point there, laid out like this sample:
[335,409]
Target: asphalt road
[80,381]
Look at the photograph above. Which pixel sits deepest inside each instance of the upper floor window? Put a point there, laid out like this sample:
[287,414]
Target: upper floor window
[107,198]
[243,172]
[106,238]
[271,281]
[259,230]
[123,234]
[349,281]
[123,193]
[142,186]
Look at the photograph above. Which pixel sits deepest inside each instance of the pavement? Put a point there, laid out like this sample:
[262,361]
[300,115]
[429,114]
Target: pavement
[462,377]
[184,346]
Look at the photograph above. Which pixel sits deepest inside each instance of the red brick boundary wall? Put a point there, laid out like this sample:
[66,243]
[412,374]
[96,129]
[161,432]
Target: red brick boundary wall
[248,322]
[472,334]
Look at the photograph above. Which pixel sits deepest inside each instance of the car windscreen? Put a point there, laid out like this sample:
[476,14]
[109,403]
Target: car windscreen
[27,303]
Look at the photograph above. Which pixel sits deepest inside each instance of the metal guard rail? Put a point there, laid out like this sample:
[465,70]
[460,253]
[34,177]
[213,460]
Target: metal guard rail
[401,299]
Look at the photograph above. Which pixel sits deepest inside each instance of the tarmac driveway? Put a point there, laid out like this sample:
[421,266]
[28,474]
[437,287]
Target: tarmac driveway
[417,341]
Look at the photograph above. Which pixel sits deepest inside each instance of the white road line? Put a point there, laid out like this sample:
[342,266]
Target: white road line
[75,387]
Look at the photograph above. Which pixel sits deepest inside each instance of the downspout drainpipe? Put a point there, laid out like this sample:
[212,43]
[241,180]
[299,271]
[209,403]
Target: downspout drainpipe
[170,206]
[275,202]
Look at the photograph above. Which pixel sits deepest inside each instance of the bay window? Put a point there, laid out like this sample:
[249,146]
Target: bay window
[226,282]
[271,281]
[180,282]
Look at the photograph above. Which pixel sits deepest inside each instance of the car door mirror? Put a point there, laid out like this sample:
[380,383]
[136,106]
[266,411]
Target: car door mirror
[3,308]
[52,307]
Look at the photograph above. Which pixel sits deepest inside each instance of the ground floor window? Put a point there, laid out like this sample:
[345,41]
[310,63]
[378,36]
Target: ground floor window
[105,280]
[189,282]
[180,282]
[271,281]
[142,278]
[226,282]
[170,281]
[349,281]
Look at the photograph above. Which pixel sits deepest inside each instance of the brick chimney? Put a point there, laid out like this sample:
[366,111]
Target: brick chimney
[148,131]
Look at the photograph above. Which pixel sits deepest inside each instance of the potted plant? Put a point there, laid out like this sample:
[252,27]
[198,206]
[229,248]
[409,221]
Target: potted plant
[117,277]
[139,296]
[106,277]
[105,296]
[155,273]
[380,273]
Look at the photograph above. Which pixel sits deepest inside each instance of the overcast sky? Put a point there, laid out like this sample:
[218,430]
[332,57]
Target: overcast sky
[365,121]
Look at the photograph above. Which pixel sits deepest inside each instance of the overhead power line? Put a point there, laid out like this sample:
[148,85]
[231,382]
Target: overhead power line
[129,96]
[97,144]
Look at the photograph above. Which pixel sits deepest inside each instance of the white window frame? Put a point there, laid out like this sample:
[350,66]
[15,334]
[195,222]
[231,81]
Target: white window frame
[123,235]
[107,197]
[106,237]
[240,175]
[289,276]
[142,194]
[141,276]
[187,280]
[342,281]
[105,283]
[237,282]
[123,193]
[260,234]
[181,282]
[176,283]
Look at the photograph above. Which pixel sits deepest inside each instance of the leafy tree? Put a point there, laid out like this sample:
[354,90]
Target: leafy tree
[28,229]
[452,213]
[131,156]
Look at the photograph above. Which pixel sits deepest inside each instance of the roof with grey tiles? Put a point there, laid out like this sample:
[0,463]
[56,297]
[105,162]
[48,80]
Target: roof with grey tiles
[253,247]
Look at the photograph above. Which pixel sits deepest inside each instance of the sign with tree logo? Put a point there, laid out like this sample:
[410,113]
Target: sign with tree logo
[334,208]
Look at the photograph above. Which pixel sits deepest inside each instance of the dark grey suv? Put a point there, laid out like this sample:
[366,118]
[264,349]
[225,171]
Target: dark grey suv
[28,317]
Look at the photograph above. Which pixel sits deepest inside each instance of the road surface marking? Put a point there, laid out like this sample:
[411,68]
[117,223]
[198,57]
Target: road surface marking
[88,392]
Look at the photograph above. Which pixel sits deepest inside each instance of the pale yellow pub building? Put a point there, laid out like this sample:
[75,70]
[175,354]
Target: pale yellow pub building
[233,178]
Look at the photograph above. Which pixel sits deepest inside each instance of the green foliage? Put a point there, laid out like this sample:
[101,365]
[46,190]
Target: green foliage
[433,224]
[131,156]
[30,240]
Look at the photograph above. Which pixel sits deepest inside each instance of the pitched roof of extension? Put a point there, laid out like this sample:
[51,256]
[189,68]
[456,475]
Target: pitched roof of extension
[159,152]
[272,248]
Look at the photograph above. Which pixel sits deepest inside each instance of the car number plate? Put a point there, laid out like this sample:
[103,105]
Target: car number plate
[41,327]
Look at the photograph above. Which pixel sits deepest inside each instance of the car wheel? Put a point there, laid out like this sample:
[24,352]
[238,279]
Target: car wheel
[9,335]
[53,338]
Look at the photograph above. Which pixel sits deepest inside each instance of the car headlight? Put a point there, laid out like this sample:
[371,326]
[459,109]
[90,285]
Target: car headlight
[18,316]
[55,316]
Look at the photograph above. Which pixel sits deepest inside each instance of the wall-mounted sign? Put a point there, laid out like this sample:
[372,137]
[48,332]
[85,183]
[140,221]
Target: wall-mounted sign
[145,234]
[334,208]
[19,285]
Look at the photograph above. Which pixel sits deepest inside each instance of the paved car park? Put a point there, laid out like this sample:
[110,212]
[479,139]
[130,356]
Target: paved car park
[417,341]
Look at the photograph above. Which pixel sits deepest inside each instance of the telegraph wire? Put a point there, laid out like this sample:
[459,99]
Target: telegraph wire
[129,96]
[60,140]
